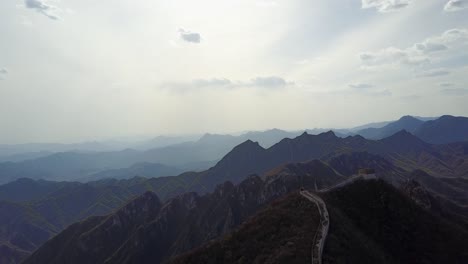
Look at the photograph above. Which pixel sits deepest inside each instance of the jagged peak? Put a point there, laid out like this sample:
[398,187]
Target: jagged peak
[404,137]
[328,134]
[249,144]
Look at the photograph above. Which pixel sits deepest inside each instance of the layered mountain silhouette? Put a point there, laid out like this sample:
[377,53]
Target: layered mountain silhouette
[443,130]
[149,230]
[307,160]
[194,155]
[407,123]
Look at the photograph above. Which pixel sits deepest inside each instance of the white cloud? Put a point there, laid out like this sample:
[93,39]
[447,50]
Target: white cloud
[43,7]
[189,36]
[434,73]
[384,6]
[3,73]
[419,53]
[455,5]
[454,91]
[392,55]
[446,84]
[270,82]
[361,86]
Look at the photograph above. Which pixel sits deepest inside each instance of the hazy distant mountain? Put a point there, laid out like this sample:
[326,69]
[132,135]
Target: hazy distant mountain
[445,129]
[188,156]
[407,123]
[15,149]
[144,169]
[370,125]
[163,141]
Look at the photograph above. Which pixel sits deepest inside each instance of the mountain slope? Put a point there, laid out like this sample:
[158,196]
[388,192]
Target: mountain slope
[180,223]
[281,233]
[446,129]
[375,215]
[371,222]
[407,123]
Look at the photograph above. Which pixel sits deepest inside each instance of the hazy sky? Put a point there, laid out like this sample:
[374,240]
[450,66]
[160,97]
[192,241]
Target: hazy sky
[74,70]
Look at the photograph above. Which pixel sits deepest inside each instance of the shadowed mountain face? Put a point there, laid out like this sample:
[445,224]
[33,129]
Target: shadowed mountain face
[148,231]
[371,222]
[190,220]
[281,233]
[446,129]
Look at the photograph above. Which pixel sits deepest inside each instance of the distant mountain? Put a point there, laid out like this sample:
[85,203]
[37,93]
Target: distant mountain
[446,129]
[25,189]
[187,156]
[442,130]
[144,169]
[402,149]
[370,125]
[407,123]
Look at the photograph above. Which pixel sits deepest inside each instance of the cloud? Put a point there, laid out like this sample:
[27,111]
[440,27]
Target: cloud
[3,73]
[430,47]
[270,82]
[380,93]
[385,6]
[419,53]
[43,7]
[454,91]
[365,89]
[455,5]
[452,37]
[361,86]
[446,84]
[392,55]
[433,73]
[188,36]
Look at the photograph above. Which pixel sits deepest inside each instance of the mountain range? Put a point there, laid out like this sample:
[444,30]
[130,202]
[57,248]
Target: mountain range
[443,130]
[37,210]
[379,223]
[196,155]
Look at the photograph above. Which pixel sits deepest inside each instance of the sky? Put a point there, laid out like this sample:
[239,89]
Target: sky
[84,70]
